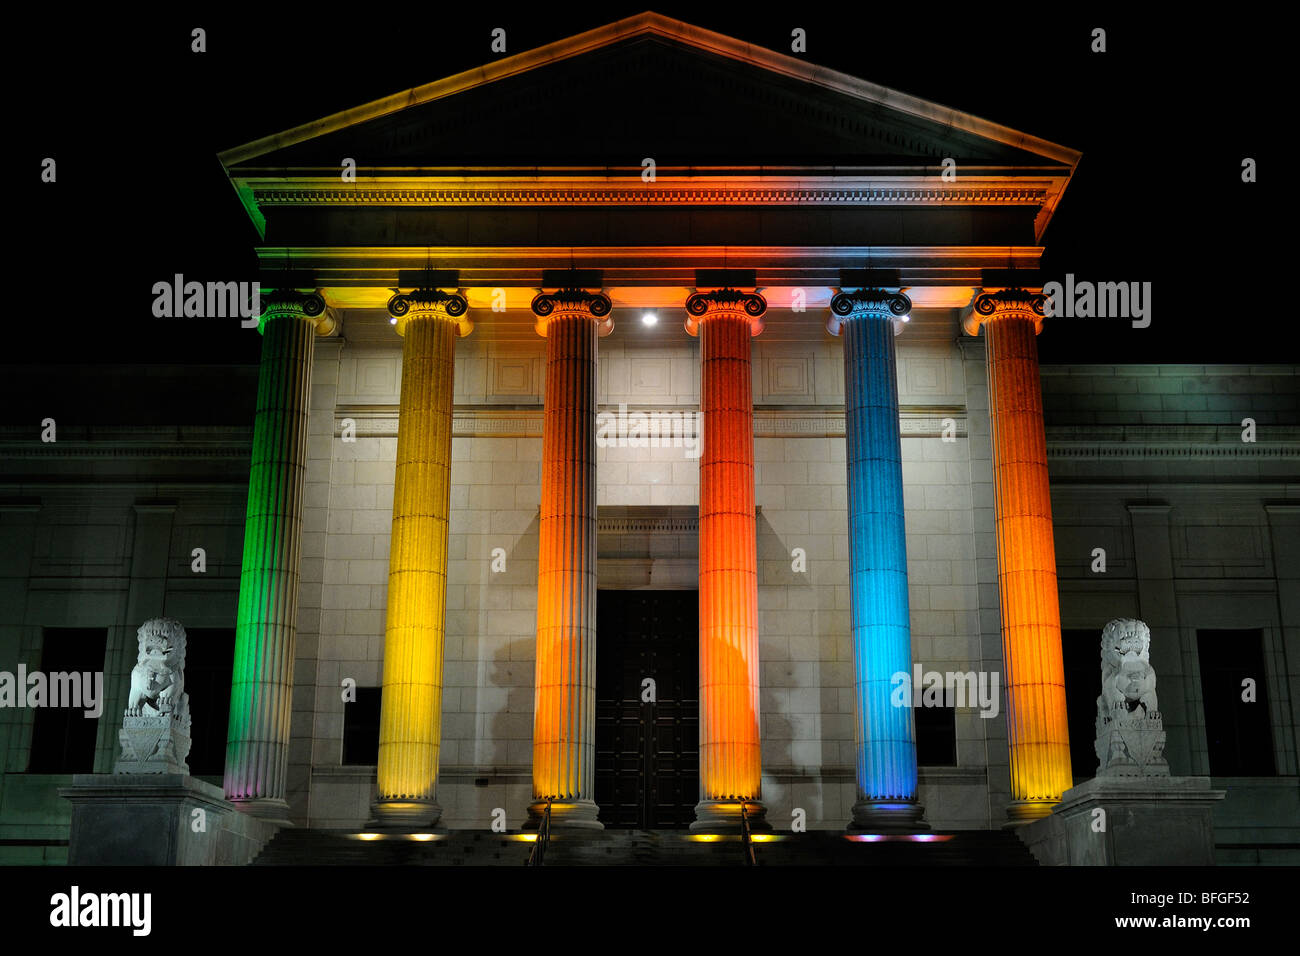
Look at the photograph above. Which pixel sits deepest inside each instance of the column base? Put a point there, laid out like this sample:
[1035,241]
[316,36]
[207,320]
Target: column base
[723,816]
[565,815]
[1020,812]
[270,809]
[888,816]
[405,815]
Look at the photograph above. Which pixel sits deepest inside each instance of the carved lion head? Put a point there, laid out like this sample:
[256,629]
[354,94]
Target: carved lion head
[162,639]
[1124,640]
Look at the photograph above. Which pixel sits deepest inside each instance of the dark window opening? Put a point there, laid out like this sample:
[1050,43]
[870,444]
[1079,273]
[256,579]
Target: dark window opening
[63,738]
[1238,732]
[936,736]
[209,668]
[361,728]
[1081,649]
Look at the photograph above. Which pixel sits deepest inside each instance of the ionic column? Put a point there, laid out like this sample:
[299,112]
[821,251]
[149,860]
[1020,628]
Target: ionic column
[261,695]
[884,733]
[410,722]
[564,709]
[730,745]
[1031,622]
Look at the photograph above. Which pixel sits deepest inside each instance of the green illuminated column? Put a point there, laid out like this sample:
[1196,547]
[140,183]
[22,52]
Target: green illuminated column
[261,694]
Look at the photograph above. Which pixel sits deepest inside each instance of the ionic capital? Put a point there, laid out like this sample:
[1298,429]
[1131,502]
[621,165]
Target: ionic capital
[868,304]
[989,306]
[549,306]
[430,304]
[701,306]
[293,303]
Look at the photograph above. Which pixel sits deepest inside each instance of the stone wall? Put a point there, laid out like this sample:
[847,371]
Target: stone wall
[1197,525]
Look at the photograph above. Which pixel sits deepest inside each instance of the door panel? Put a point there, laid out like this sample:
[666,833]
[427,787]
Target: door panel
[647,753]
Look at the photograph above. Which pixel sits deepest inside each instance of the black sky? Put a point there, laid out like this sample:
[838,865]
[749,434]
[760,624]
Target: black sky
[1163,120]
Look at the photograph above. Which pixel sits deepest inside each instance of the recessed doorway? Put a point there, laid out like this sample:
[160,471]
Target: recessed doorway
[647,734]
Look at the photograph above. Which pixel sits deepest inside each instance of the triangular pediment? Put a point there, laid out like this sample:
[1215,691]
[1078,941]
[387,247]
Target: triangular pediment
[650,87]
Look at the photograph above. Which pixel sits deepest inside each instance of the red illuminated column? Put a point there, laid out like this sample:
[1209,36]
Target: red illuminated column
[1031,622]
[730,746]
[564,715]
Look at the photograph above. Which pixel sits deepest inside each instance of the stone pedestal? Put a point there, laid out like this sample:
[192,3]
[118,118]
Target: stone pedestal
[152,744]
[151,819]
[1148,821]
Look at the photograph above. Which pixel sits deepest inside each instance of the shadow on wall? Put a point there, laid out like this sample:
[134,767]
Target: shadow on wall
[794,696]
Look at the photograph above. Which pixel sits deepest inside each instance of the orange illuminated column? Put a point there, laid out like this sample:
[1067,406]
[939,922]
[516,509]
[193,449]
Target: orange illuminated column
[410,721]
[1031,621]
[564,705]
[730,757]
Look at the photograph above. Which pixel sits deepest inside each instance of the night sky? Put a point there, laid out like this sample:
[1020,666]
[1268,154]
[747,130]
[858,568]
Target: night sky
[1163,119]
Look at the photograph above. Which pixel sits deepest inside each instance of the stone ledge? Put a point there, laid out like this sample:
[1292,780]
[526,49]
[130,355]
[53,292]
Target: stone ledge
[147,820]
[1151,821]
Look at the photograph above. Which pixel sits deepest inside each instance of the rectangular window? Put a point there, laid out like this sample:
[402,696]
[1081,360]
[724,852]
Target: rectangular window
[361,728]
[63,738]
[1237,730]
[1081,649]
[209,667]
[936,736]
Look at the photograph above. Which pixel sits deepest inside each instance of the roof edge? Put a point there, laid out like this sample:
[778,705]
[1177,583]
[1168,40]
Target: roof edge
[643,24]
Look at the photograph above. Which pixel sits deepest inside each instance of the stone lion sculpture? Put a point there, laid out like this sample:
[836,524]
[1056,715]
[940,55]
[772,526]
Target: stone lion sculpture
[1130,732]
[1128,681]
[158,678]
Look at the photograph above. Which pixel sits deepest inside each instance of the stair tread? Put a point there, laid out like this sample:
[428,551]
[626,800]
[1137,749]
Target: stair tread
[320,847]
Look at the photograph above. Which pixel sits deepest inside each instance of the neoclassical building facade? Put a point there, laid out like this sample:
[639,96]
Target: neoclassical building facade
[616,471]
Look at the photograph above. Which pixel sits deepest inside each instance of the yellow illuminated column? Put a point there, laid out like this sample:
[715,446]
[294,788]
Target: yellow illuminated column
[564,705]
[411,714]
[1031,622]
[730,746]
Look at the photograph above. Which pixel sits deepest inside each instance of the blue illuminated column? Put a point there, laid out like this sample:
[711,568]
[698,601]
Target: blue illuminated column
[867,320]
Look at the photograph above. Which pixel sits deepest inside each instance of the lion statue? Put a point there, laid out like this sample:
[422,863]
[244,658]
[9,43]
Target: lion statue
[158,678]
[1128,681]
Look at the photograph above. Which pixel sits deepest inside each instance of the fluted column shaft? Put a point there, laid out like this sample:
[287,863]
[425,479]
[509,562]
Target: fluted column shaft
[564,717]
[261,696]
[411,713]
[730,742]
[884,735]
[1031,624]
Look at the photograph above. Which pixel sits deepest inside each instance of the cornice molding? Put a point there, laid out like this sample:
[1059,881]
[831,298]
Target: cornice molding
[1161,450]
[801,191]
[130,441]
[1157,442]
[380,421]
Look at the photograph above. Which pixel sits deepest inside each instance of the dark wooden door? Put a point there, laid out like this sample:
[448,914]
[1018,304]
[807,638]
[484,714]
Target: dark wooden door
[647,751]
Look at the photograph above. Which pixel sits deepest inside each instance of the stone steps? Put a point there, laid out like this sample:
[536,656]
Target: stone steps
[307,847]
